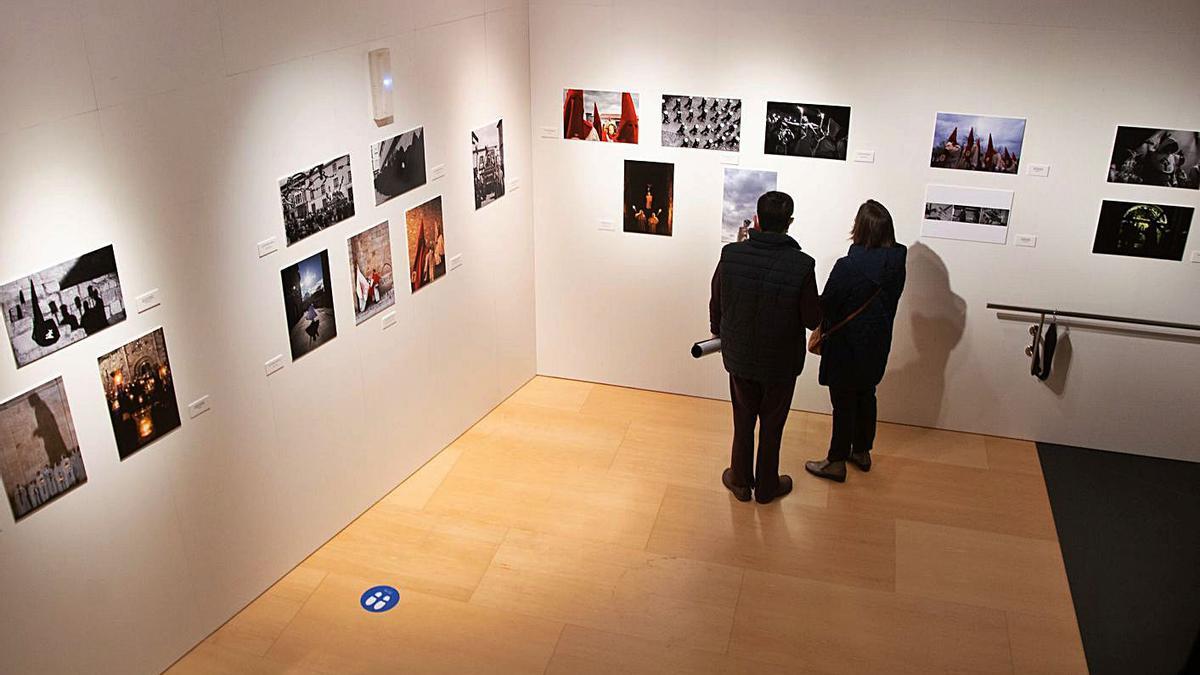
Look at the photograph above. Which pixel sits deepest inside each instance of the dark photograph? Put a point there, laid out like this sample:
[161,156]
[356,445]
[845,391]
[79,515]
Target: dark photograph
[1143,230]
[63,304]
[140,390]
[605,116]
[316,199]
[426,243]
[308,301]
[1162,157]
[649,197]
[398,164]
[807,130]
[487,161]
[39,450]
[699,122]
[371,272]
[959,143]
[959,213]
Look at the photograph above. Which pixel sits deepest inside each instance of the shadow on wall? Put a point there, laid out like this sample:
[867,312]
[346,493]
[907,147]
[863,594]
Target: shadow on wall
[933,319]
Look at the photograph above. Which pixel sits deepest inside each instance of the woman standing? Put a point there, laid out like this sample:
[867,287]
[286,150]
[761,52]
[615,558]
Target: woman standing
[859,307]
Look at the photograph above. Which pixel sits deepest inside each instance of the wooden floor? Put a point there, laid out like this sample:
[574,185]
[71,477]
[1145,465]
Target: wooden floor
[582,528]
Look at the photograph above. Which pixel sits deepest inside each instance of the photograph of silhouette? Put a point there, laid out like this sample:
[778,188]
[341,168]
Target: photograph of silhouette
[704,123]
[605,116]
[807,130]
[315,199]
[308,301]
[743,187]
[426,243]
[140,389]
[487,162]
[1143,230]
[649,197]
[39,451]
[61,305]
[371,272]
[1162,157]
[398,164]
[959,143]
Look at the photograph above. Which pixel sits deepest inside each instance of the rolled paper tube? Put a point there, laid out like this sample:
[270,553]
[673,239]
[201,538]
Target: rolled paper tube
[706,347]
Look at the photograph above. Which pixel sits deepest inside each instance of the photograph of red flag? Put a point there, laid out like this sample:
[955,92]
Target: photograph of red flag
[606,116]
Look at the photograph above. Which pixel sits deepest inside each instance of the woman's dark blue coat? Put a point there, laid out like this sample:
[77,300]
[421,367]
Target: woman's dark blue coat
[855,355]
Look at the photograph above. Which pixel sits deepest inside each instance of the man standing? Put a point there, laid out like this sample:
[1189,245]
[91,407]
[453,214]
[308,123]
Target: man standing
[764,294]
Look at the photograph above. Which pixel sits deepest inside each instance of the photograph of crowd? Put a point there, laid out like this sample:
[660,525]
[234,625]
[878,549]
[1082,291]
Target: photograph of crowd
[140,390]
[807,130]
[967,214]
[958,143]
[39,450]
[649,197]
[487,161]
[398,164]
[606,116]
[61,305]
[371,272]
[1143,230]
[316,199]
[1163,157]
[426,243]
[743,187]
[698,122]
[308,303]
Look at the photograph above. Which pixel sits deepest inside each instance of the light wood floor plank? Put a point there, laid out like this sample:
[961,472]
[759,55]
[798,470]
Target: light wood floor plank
[1045,646]
[587,651]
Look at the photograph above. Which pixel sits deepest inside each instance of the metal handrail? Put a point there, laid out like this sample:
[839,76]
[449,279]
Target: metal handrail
[1094,317]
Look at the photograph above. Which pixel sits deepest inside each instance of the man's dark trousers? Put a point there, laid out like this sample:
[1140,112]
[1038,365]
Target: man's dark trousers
[767,403]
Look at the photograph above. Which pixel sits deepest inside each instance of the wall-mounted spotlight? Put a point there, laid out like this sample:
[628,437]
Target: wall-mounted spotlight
[380,61]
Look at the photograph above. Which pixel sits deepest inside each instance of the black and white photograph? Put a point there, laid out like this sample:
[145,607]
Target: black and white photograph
[807,130]
[62,304]
[39,450]
[315,199]
[1143,230]
[960,213]
[701,122]
[967,214]
[487,162]
[1161,157]
[977,143]
[743,187]
[140,390]
[371,272]
[649,197]
[308,302]
[398,164]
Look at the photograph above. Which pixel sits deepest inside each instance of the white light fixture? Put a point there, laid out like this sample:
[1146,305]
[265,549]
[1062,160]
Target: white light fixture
[380,61]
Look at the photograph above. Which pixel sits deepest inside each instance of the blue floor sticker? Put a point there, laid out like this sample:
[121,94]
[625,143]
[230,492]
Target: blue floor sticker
[379,599]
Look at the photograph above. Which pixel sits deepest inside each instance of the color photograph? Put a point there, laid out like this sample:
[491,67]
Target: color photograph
[977,143]
[313,200]
[1143,230]
[308,303]
[967,214]
[61,305]
[398,164]
[743,187]
[426,243]
[1161,157]
[807,130]
[704,123]
[487,162]
[140,390]
[371,272]
[649,197]
[39,450]
[605,116]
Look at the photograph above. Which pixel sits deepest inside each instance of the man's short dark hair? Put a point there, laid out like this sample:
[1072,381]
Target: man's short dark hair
[775,211]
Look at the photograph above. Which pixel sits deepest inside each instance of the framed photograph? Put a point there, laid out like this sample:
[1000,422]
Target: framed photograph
[1143,230]
[313,200]
[487,163]
[39,450]
[605,116]
[371,272]
[140,390]
[977,143]
[743,187]
[649,197]
[701,122]
[398,164]
[426,243]
[308,303]
[807,130]
[968,214]
[1161,157]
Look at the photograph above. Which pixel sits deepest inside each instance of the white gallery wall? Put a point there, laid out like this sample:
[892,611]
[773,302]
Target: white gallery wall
[623,308]
[163,128]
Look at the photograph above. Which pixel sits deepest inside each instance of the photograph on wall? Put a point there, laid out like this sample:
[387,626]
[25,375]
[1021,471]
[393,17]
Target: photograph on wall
[606,116]
[807,130]
[1162,157]
[649,197]
[700,122]
[63,304]
[140,390]
[426,243]
[487,153]
[977,143]
[743,187]
[398,164]
[315,199]
[1143,230]
[968,214]
[308,303]
[371,272]
[39,450]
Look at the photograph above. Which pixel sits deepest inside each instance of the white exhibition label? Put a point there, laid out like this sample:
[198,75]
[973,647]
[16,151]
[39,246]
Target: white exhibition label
[1039,170]
[388,320]
[550,132]
[274,365]
[607,225]
[199,407]
[456,261]
[1029,240]
[865,156]
[731,159]
[513,184]
[267,247]
[148,300]
[437,172]
[968,214]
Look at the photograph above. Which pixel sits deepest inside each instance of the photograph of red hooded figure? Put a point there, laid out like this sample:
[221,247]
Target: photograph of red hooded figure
[605,116]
